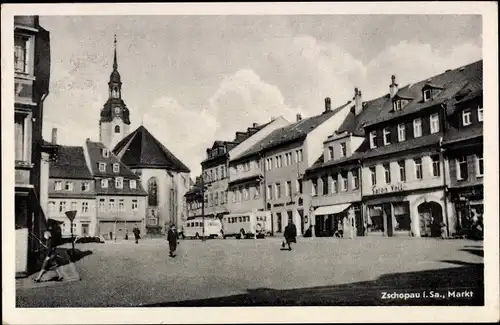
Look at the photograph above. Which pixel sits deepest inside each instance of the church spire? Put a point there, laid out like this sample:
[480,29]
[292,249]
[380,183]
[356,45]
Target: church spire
[115,63]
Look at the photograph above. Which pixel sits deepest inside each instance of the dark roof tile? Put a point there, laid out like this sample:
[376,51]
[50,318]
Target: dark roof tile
[70,163]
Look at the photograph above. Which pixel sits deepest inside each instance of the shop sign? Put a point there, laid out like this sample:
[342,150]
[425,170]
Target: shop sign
[278,205]
[388,189]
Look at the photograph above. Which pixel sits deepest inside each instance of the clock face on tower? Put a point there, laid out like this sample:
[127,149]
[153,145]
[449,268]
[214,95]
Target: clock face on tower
[117,110]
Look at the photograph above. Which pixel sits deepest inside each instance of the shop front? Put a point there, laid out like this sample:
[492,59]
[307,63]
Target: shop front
[389,216]
[340,220]
[469,208]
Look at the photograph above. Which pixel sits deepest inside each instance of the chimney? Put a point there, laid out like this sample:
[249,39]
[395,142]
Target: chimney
[358,101]
[328,104]
[254,125]
[299,117]
[54,136]
[393,87]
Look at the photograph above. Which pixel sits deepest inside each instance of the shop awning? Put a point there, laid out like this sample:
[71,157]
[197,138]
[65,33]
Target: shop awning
[331,209]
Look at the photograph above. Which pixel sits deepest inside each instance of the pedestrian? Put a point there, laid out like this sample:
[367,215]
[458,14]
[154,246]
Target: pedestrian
[443,230]
[51,258]
[290,234]
[137,234]
[172,240]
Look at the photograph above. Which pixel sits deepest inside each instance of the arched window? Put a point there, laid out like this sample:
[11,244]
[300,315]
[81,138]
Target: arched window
[117,129]
[152,192]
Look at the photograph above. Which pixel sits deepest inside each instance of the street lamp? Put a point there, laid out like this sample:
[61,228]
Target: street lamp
[203,189]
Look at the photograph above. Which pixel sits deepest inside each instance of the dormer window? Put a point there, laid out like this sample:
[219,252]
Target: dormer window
[105,153]
[330,153]
[116,168]
[102,167]
[427,94]
[119,182]
[133,184]
[397,105]
[104,183]
[466,117]
[387,136]
[373,139]
[480,113]
[343,149]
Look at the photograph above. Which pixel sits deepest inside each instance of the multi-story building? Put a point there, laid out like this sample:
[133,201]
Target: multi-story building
[71,188]
[403,183]
[193,198]
[164,176]
[121,199]
[215,166]
[463,149]
[335,179]
[269,175]
[31,80]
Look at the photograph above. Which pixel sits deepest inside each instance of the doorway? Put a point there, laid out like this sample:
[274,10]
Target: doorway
[85,229]
[431,219]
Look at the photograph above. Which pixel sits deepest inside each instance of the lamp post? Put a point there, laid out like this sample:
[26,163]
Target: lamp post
[203,189]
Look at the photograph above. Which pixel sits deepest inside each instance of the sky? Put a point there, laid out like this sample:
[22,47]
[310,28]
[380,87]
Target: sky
[191,80]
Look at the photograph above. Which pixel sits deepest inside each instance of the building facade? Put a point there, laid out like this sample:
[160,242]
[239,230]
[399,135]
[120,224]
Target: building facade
[269,176]
[121,199]
[72,188]
[162,175]
[31,80]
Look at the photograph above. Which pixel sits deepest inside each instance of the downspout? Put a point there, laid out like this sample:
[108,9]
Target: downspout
[264,190]
[445,186]
[362,208]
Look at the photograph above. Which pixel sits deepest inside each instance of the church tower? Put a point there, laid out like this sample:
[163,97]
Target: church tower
[114,123]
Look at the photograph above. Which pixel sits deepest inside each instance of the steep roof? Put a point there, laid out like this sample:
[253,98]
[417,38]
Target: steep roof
[70,163]
[142,150]
[296,131]
[96,156]
[449,82]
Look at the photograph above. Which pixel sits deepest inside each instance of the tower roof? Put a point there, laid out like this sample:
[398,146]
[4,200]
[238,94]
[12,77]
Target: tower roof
[115,75]
[140,149]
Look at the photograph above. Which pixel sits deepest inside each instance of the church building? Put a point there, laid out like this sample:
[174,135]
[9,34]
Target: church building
[164,177]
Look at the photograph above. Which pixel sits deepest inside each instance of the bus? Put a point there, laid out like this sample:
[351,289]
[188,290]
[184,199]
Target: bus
[194,228]
[255,224]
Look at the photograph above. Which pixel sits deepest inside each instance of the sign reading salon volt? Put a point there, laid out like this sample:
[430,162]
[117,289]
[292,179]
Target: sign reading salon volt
[388,189]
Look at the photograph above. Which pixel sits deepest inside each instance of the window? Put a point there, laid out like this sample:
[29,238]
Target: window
[343,182]
[401,132]
[330,153]
[21,47]
[333,184]
[417,128]
[427,94]
[466,117]
[299,186]
[343,149]
[102,205]
[269,192]
[73,206]
[102,167]
[314,190]
[418,168]
[355,179]
[324,181]
[387,173]
[479,165]
[52,207]
[373,174]
[396,105]
[298,155]
[436,166]
[85,186]
[402,171]
[288,189]
[387,136]
[119,182]
[257,192]
[245,194]
[112,205]
[480,113]
[116,168]
[117,129]
[105,152]
[373,139]
[280,161]
[278,190]
[85,207]
[62,206]
[20,137]
[152,192]
[434,123]
[104,183]
[58,185]
[217,173]
[133,184]
[134,205]
[68,186]
[462,168]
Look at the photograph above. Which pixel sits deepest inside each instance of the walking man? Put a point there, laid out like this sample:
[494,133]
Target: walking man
[172,240]
[290,234]
[137,234]
[51,257]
